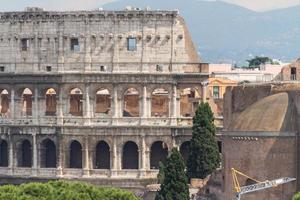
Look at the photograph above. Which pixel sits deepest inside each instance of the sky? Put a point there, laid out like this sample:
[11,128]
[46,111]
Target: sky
[17,5]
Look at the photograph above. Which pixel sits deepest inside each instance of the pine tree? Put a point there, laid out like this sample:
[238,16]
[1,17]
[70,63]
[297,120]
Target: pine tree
[204,155]
[175,183]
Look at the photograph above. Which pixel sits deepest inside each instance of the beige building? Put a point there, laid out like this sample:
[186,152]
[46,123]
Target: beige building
[100,96]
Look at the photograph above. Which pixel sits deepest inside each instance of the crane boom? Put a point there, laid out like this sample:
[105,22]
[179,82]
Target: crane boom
[257,186]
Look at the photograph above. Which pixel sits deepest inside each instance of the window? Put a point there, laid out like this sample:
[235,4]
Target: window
[216,92]
[102,68]
[49,68]
[131,44]
[159,68]
[24,44]
[293,73]
[2,68]
[75,45]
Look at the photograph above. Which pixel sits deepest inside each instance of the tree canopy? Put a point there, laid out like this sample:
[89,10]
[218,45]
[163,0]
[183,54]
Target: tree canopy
[204,155]
[296,196]
[258,60]
[174,185]
[61,190]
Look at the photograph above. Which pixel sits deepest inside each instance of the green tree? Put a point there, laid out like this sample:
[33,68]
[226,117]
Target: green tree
[175,183]
[204,155]
[257,61]
[296,196]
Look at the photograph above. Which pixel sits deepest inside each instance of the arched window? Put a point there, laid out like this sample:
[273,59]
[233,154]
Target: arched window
[51,102]
[4,102]
[27,102]
[103,101]
[184,150]
[75,155]
[3,154]
[48,154]
[158,153]
[131,103]
[189,101]
[25,154]
[130,156]
[76,102]
[102,156]
[160,103]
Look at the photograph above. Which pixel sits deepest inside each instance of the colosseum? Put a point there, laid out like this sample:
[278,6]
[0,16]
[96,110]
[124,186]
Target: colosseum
[100,96]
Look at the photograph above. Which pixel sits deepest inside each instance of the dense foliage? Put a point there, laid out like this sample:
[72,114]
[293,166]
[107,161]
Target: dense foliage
[204,155]
[174,185]
[61,190]
[296,196]
[257,61]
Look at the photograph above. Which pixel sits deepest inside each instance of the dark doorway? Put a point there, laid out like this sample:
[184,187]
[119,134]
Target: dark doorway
[48,155]
[130,156]
[3,154]
[159,153]
[26,154]
[102,156]
[75,155]
[184,150]
[293,73]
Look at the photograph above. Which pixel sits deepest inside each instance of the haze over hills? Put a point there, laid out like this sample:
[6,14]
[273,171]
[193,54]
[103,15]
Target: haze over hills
[225,32]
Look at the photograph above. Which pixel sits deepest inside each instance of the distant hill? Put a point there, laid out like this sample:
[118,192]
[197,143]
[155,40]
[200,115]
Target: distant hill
[226,32]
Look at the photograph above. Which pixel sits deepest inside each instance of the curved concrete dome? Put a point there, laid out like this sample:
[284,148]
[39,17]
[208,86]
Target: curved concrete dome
[272,113]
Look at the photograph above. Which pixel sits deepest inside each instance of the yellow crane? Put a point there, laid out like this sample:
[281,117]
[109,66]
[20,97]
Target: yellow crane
[258,185]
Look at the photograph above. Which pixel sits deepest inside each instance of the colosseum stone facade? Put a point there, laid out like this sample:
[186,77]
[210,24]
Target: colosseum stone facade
[100,96]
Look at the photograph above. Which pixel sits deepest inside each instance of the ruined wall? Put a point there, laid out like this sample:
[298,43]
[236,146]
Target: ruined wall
[263,158]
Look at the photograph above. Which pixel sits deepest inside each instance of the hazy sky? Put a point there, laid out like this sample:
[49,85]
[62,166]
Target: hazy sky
[258,5]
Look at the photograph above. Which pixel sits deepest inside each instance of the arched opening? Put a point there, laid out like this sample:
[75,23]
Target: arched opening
[103,101]
[51,102]
[130,156]
[131,103]
[158,153]
[25,156]
[27,102]
[4,103]
[102,156]
[160,103]
[3,154]
[189,101]
[76,102]
[48,154]
[184,150]
[75,155]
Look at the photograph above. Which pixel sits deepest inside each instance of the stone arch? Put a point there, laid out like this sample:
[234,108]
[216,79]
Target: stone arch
[4,102]
[184,150]
[131,107]
[130,157]
[103,101]
[24,154]
[160,103]
[48,154]
[158,153]
[76,102]
[27,102]
[102,155]
[189,101]
[3,153]
[75,155]
[50,102]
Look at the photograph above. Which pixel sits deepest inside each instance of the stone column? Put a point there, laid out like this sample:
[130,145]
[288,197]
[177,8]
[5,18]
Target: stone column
[11,154]
[174,105]
[86,158]
[114,166]
[87,105]
[143,157]
[12,102]
[204,85]
[60,106]
[144,106]
[88,58]
[36,104]
[35,162]
[116,102]
[60,154]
